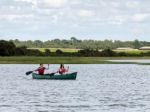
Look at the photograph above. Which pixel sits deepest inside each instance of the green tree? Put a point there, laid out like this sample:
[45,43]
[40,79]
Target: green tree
[58,51]
[47,52]
[136,44]
[7,48]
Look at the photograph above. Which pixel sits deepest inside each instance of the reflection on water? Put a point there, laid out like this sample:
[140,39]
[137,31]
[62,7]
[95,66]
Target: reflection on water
[137,61]
[98,88]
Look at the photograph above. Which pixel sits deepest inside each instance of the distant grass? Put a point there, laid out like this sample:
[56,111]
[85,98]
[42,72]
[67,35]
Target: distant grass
[54,49]
[76,50]
[133,51]
[66,60]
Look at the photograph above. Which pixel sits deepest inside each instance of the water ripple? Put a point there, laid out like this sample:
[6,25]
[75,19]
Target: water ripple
[98,88]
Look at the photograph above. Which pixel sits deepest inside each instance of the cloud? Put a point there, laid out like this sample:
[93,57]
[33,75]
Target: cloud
[85,13]
[16,17]
[73,15]
[51,3]
[44,3]
[117,20]
[34,2]
[141,17]
[133,4]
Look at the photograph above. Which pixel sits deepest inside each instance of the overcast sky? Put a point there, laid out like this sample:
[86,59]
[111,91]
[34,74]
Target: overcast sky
[84,19]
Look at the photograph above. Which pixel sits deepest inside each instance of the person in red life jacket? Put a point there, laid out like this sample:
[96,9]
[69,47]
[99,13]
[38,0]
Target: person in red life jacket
[62,69]
[42,69]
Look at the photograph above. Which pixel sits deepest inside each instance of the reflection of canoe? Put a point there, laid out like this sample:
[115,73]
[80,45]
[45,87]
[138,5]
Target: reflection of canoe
[68,76]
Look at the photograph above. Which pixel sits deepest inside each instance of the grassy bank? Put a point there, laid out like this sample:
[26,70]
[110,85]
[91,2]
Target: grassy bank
[66,60]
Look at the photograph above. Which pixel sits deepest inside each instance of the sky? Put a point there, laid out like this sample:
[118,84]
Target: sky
[83,19]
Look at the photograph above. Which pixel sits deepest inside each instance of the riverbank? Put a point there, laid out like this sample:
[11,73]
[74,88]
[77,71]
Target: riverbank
[69,60]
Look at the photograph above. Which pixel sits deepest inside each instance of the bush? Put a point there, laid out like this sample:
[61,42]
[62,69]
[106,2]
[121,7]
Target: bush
[47,52]
[7,48]
[58,51]
[21,50]
[108,53]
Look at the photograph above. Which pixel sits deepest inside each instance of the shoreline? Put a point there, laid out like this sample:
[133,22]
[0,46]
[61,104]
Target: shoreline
[70,60]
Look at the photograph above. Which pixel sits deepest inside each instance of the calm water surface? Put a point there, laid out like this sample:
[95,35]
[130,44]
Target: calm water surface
[98,88]
[132,60]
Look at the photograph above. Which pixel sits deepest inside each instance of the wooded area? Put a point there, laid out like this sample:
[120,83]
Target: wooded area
[81,44]
[8,48]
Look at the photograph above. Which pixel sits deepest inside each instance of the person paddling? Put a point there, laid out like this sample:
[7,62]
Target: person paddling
[62,69]
[42,69]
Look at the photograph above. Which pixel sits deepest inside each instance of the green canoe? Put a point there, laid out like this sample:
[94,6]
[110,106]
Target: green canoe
[68,76]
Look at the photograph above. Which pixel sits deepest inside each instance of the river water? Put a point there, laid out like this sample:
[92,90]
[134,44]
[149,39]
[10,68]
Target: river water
[98,88]
[146,61]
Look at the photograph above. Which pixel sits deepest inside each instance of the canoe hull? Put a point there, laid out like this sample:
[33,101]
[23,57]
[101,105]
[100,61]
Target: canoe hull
[68,76]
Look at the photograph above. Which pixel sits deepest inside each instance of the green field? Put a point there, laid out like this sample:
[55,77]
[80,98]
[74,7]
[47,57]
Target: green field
[76,50]
[65,60]
[132,51]
[54,49]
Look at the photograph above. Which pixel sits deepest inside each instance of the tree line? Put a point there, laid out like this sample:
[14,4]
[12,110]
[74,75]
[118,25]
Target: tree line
[80,44]
[8,48]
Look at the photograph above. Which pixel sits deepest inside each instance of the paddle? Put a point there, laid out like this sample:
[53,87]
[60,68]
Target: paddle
[29,72]
[52,74]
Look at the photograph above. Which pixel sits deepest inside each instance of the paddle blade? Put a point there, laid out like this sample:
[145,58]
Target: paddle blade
[52,74]
[29,72]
